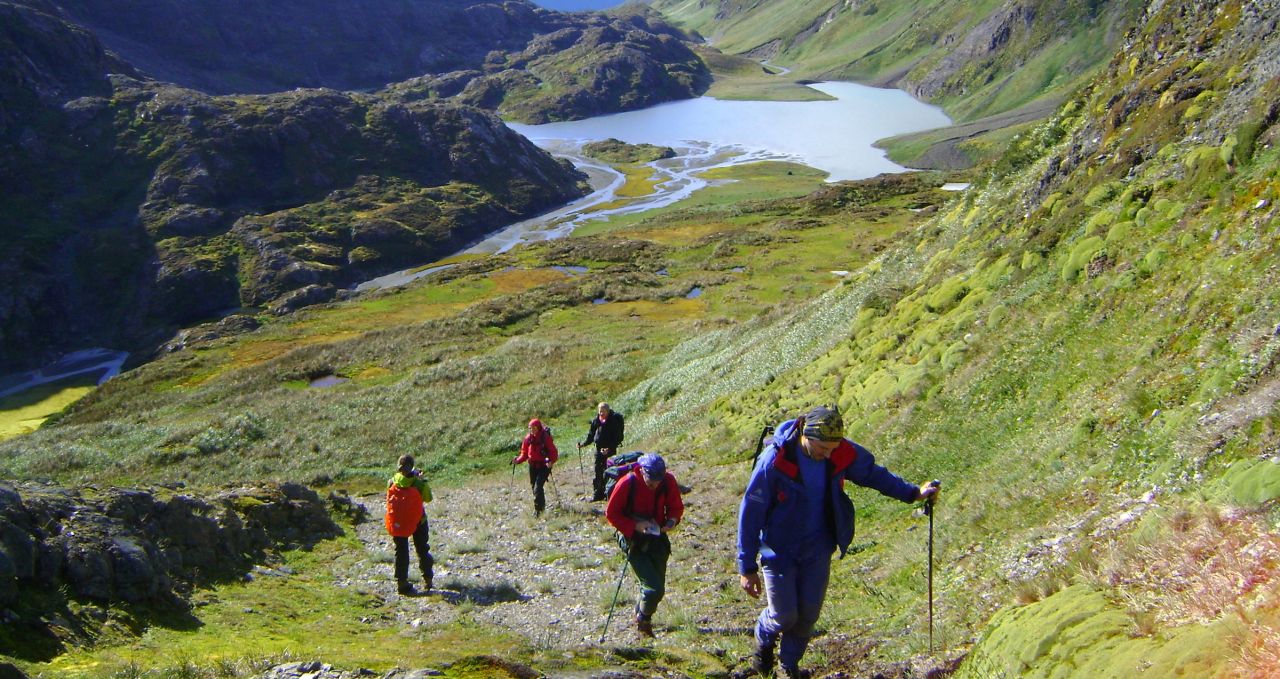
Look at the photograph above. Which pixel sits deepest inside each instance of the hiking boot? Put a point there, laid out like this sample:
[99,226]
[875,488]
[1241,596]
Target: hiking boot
[761,661]
[792,672]
[644,626]
[426,581]
[405,588]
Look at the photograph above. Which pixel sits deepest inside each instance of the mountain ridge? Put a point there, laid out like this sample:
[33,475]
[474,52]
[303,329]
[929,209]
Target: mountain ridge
[194,204]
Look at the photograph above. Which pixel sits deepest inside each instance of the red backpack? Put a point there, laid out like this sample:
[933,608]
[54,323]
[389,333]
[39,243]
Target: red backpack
[404,510]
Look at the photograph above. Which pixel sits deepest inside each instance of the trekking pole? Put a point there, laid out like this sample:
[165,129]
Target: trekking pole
[621,574]
[579,459]
[928,510]
[555,488]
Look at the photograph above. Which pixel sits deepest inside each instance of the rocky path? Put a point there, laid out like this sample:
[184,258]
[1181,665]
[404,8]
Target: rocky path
[548,579]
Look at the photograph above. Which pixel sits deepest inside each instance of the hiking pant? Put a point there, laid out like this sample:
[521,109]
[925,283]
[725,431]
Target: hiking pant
[602,457]
[648,558]
[795,585]
[422,545]
[538,476]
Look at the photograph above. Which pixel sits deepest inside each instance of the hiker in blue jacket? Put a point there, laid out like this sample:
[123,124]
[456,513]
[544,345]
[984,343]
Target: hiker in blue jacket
[794,515]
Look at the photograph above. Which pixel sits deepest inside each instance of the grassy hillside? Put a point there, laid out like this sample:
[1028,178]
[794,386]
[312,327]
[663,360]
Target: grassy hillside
[1083,347]
[990,65]
[975,59]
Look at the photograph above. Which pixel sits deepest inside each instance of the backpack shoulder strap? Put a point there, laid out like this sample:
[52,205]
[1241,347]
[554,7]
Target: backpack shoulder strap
[631,492]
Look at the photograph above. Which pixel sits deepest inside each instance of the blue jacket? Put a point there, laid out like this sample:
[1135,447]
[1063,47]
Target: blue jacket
[771,507]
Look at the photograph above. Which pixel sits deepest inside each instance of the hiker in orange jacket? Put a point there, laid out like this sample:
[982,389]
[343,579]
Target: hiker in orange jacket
[539,450]
[644,505]
[407,493]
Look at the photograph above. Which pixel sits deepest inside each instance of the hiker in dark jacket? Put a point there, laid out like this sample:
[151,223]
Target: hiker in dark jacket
[794,516]
[644,505]
[405,478]
[539,450]
[606,433]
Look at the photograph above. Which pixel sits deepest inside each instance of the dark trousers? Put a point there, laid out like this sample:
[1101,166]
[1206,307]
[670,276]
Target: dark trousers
[602,456]
[538,476]
[422,545]
[648,557]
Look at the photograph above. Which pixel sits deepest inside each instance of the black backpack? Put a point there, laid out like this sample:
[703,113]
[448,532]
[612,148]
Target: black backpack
[616,467]
[764,434]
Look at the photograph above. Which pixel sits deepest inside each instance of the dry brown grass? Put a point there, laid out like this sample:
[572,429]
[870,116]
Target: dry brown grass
[1260,653]
[518,280]
[1207,563]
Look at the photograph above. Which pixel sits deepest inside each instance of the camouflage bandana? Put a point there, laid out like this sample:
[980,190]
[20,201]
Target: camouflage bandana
[824,424]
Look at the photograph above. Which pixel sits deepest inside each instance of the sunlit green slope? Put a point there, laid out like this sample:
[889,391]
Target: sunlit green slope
[975,58]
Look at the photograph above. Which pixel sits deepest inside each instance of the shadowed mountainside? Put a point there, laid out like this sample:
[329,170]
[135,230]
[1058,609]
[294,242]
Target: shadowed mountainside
[527,62]
[130,206]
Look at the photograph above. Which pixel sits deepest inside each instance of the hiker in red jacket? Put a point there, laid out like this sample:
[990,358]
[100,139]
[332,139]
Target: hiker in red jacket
[645,504]
[406,516]
[540,452]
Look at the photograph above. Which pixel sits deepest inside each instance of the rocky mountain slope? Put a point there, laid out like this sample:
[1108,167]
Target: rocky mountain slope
[577,66]
[529,63]
[131,205]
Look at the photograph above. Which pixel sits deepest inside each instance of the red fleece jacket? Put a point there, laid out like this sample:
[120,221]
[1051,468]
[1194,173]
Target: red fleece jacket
[658,505]
[538,449]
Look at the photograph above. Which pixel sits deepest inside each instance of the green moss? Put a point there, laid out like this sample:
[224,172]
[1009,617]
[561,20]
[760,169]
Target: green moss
[1252,482]
[1119,232]
[1077,632]
[363,255]
[1200,156]
[997,316]
[1099,221]
[946,294]
[1080,256]
[1227,151]
[954,355]
[1153,260]
[1102,193]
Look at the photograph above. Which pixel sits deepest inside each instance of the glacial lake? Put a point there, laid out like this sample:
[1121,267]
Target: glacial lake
[834,136]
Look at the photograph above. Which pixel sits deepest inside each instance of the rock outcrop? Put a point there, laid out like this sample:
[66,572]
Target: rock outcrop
[137,547]
[579,66]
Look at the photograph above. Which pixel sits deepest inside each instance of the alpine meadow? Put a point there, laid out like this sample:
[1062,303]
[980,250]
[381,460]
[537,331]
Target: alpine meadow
[288,228]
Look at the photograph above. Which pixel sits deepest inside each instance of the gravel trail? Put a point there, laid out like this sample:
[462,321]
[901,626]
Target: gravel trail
[548,579]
